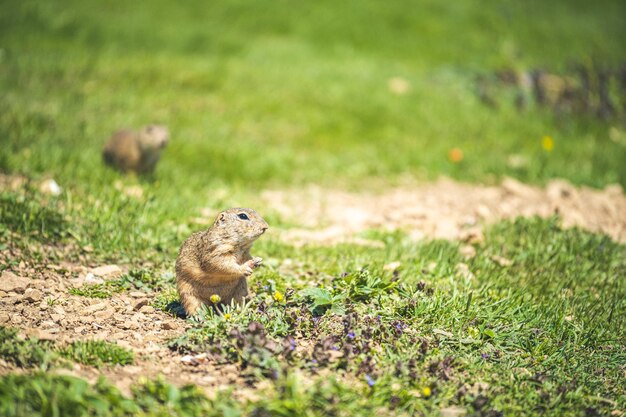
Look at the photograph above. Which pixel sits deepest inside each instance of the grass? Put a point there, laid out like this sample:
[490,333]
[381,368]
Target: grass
[50,395]
[139,279]
[34,353]
[97,353]
[305,87]
[543,334]
[280,95]
[533,324]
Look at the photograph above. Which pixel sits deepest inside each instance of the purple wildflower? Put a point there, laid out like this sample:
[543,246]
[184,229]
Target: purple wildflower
[370,380]
[351,335]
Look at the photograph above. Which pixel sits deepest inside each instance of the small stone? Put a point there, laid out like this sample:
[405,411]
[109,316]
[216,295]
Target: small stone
[392,266]
[467,251]
[104,314]
[137,294]
[93,308]
[56,317]
[464,271]
[483,211]
[9,282]
[91,279]
[501,260]
[473,236]
[168,325]
[48,324]
[32,295]
[50,186]
[452,412]
[107,271]
[517,188]
[147,309]
[140,303]
[133,369]
[4,318]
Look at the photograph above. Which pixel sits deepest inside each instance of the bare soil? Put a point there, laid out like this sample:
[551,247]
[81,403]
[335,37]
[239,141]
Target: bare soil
[444,209]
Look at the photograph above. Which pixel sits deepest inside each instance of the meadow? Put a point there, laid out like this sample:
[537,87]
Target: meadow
[359,96]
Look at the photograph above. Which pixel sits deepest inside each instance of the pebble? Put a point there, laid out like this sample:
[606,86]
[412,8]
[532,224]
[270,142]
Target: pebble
[391,267]
[501,260]
[467,251]
[104,314]
[4,318]
[107,271]
[91,279]
[168,325]
[56,317]
[50,186]
[137,294]
[93,308]
[32,295]
[452,412]
[147,309]
[9,282]
[137,305]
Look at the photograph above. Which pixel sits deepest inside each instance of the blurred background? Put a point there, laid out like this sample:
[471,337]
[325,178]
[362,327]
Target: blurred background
[283,92]
[279,94]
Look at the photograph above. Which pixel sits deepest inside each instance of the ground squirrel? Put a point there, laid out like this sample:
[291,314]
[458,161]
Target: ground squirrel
[217,261]
[136,151]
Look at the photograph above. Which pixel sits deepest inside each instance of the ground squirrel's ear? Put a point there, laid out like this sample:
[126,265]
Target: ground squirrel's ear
[220,218]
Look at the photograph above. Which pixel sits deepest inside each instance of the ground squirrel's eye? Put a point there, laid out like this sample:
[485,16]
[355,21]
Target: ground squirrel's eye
[243,216]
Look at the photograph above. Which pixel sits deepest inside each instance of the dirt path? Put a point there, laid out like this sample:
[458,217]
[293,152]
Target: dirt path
[444,209]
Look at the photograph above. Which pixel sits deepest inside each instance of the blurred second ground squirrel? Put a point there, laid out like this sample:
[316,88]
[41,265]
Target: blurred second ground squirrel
[213,264]
[138,152]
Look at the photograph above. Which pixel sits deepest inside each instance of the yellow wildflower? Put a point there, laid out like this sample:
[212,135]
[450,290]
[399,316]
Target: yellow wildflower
[215,298]
[278,296]
[547,143]
[426,392]
[226,316]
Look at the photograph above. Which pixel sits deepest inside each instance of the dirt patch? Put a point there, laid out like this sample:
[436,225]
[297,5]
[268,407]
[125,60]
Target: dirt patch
[36,300]
[444,209]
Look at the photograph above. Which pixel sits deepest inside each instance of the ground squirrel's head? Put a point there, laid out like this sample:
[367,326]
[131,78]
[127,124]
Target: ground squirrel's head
[153,137]
[243,225]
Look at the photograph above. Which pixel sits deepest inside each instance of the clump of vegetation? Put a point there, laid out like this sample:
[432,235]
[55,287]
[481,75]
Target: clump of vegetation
[31,352]
[139,279]
[25,352]
[27,215]
[45,394]
[97,353]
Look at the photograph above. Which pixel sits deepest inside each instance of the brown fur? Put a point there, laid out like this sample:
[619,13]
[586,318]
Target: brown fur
[217,260]
[138,152]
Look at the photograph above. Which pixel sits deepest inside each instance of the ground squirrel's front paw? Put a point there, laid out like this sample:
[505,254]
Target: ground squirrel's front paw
[248,268]
[257,261]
